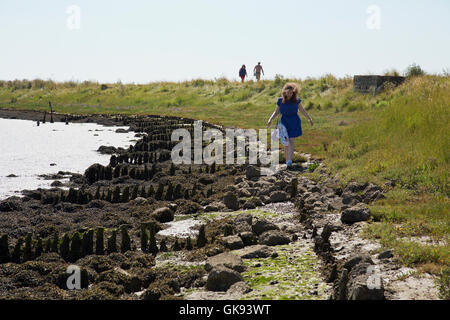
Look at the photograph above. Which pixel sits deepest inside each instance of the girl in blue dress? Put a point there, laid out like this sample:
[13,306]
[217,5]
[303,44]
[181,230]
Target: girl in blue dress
[288,106]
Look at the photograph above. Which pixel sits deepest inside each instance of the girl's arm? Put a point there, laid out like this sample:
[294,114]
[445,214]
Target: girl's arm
[274,114]
[303,111]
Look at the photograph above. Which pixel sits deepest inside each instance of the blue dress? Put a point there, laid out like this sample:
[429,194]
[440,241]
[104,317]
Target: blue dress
[290,118]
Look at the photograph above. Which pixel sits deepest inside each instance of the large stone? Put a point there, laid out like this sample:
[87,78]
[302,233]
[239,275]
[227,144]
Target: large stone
[233,242]
[231,201]
[350,198]
[247,217]
[248,238]
[364,283]
[239,288]
[221,279]
[256,251]
[9,205]
[206,179]
[227,260]
[163,215]
[252,172]
[355,214]
[244,193]
[274,238]
[278,196]
[261,225]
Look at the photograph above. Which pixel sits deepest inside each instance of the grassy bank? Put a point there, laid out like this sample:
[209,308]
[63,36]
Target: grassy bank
[400,136]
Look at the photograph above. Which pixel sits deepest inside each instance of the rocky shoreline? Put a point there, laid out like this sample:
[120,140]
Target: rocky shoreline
[111,224]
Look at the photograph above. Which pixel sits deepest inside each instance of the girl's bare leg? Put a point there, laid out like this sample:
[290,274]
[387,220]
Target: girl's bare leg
[286,153]
[291,148]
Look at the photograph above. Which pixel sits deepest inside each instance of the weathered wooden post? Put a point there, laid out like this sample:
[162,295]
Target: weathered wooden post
[51,112]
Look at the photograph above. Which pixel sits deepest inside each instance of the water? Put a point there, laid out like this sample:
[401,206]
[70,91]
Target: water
[28,150]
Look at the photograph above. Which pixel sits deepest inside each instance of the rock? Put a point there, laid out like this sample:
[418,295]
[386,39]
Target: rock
[244,217]
[206,179]
[354,187]
[252,172]
[239,288]
[121,130]
[386,255]
[233,242]
[355,214]
[255,252]
[278,196]
[231,201]
[274,238]
[222,278]
[350,198]
[244,193]
[99,204]
[139,201]
[249,205]
[56,183]
[10,205]
[248,238]
[238,180]
[12,175]
[355,260]
[364,284]
[163,215]
[106,150]
[241,226]
[214,207]
[262,225]
[227,260]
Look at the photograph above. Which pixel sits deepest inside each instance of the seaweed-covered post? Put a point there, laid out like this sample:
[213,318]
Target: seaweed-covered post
[39,248]
[153,248]
[48,245]
[188,244]
[51,112]
[88,243]
[28,254]
[144,238]
[116,195]
[176,246]
[294,188]
[75,247]
[64,247]
[112,242]
[99,244]
[201,240]
[4,249]
[55,242]
[163,246]
[17,252]
[126,241]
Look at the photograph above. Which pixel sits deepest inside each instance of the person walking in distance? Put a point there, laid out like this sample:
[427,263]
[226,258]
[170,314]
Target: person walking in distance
[257,71]
[243,73]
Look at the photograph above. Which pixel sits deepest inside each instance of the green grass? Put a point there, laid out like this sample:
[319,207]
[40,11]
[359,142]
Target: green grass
[400,135]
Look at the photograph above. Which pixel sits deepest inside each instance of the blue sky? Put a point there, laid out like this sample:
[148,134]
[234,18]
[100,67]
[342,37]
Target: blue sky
[174,40]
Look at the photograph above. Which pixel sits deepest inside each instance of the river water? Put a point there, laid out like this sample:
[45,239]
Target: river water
[28,150]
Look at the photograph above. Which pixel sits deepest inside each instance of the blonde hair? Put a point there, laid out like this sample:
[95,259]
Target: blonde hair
[293,87]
